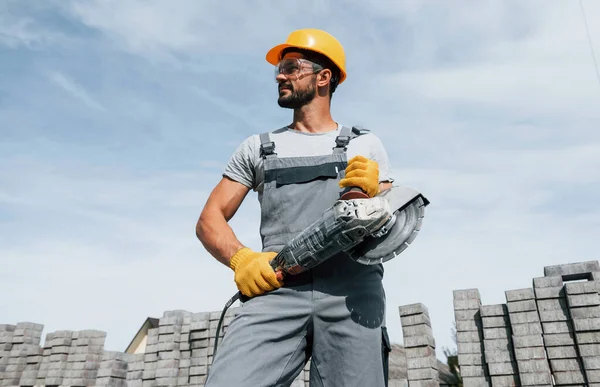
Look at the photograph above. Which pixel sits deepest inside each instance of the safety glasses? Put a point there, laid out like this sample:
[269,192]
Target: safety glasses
[296,67]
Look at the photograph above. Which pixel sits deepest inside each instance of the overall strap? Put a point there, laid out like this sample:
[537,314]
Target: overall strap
[347,134]
[267,147]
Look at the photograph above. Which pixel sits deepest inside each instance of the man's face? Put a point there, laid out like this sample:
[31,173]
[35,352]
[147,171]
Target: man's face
[299,88]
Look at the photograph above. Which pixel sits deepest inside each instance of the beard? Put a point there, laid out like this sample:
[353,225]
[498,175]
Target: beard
[297,98]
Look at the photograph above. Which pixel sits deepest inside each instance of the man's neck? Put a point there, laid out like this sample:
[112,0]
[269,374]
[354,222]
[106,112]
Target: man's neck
[313,119]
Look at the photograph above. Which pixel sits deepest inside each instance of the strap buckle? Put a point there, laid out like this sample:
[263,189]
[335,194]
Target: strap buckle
[342,141]
[267,148]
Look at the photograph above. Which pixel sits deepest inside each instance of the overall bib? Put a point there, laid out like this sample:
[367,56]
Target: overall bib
[334,312]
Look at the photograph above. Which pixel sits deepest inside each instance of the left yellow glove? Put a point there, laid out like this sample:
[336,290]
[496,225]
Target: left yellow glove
[363,173]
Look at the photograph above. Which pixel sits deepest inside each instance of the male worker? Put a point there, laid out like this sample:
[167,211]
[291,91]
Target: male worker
[336,311]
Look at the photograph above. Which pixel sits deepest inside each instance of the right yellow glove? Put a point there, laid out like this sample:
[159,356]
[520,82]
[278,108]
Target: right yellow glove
[253,272]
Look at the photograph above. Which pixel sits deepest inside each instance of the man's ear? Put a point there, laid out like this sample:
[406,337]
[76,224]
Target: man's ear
[324,78]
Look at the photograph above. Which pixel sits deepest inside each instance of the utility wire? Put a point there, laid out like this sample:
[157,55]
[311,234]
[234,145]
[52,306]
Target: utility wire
[587,30]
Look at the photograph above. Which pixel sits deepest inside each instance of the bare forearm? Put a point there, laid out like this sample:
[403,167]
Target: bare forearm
[217,237]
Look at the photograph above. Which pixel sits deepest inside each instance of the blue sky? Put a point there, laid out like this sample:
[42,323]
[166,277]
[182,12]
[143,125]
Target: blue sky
[117,118]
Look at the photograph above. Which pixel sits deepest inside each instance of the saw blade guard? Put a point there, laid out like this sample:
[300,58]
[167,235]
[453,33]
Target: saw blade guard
[408,206]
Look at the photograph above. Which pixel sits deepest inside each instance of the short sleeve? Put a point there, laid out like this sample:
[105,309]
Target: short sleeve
[241,165]
[379,154]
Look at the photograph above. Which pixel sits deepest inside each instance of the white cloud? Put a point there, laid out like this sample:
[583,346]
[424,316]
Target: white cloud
[74,89]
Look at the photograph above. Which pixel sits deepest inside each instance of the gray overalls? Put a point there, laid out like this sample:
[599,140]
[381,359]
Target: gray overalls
[334,313]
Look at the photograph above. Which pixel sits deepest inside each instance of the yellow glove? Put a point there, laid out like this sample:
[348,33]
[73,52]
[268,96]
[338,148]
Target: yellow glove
[253,273]
[363,173]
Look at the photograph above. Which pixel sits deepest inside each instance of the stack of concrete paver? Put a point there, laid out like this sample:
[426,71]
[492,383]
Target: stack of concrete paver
[6,333]
[195,366]
[498,346]
[150,359]
[83,358]
[113,370]
[527,338]
[23,359]
[170,328]
[469,337]
[55,353]
[559,340]
[135,369]
[419,345]
[578,312]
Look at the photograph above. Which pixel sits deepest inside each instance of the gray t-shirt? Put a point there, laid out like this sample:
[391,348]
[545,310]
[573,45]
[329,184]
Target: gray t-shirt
[246,166]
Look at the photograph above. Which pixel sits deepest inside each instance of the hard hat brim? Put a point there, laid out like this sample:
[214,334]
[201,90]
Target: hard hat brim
[274,56]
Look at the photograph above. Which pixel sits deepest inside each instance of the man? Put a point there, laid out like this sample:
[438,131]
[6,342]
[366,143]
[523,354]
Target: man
[336,311]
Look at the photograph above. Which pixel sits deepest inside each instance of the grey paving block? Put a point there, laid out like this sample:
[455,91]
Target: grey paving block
[581,300]
[587,287]
[568,377]
[422,374]
[505,381]
[548,293]
[554,315]
[417,330]
[480,381]
[111,382]
[572,271]
[412,309]
[472,371]
[589,350]
[493,310]
[415,320]
[415,341]
[465,348]
[557,327]
[528,341]
[410,353]
[497,333]
[499,356]
[591,362]
[535,378]
[507,368]
[470,359]
[495,322]
[467,304]
[524,317]
[519,295]
[527,329]
[521,306]
[421,383]
[586,324]
[566,352]
[469,336]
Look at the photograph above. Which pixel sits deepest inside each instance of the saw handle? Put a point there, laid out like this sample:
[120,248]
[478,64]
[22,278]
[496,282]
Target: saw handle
[277,269]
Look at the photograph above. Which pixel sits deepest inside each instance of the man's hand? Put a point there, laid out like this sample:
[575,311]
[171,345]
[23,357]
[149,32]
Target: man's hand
[363,173]
[253,272]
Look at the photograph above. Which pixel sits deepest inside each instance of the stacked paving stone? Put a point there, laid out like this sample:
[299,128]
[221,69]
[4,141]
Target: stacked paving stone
[547,335]
[84,357]
[135,369]
[469,337]
[528,343]
[6,333]
[419,345]
[557,328]
[195,366]
[113,370]
[498,346]
[577,310]
[22,360]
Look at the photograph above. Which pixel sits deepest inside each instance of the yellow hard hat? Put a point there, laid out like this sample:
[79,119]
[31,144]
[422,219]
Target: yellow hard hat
[314,40]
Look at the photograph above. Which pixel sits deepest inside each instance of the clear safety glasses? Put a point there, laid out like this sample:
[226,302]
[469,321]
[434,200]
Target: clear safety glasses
[295,68]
